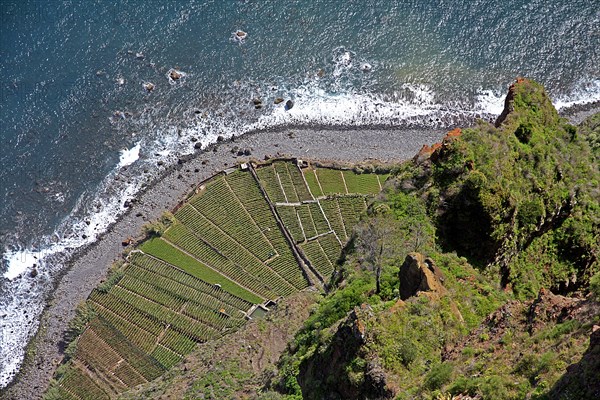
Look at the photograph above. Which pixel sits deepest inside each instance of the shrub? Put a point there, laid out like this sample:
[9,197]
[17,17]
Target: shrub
[524,133]
[439,375]
[530,212]
[595,286]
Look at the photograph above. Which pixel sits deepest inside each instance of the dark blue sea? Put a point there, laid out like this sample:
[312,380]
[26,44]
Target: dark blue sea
[74,112]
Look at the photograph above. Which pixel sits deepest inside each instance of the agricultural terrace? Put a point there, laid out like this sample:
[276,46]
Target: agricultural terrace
[243,238]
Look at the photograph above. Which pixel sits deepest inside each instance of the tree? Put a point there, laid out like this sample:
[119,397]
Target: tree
[374,243]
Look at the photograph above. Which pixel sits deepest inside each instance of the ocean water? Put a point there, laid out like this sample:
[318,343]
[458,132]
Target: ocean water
[78,129]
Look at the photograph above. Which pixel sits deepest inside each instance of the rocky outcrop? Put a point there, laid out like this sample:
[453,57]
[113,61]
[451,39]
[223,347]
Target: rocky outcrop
[549,307]
[419,274]
[325,374]
[436,150]
[582,379]
[508,102]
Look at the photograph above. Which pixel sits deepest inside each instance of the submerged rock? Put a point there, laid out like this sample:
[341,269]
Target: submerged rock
[289,104]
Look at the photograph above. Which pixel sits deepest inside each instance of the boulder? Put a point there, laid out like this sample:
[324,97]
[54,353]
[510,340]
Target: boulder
[419,274]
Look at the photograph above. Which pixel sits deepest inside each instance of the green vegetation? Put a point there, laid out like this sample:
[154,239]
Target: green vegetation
[197,273]
[502,212]
[164,251]
[445,286]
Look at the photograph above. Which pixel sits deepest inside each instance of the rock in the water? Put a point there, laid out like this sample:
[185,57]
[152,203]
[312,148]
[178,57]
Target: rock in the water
[149,86]
[278,100]
[139,55]
[289,104]
[256,101]
[220,138]
[239,35]
[419,274]
[366,67]
[175,75]
[197,145]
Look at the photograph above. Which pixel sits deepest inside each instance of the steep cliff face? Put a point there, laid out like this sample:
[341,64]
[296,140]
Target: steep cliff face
[345,369]
[488,231]
[516,196]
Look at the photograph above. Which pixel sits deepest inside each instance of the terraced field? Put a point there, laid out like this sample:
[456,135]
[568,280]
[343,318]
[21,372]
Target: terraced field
[243,239]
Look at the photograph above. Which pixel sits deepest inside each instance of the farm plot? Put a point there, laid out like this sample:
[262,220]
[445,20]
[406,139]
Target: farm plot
[163,250]
[318,258]
[225,252]
[361,183]
[287,184]
[313,184]
[290,219]
[77,384]
[270,181]
[332,212]
[331,181]
[220,206]
[299,183]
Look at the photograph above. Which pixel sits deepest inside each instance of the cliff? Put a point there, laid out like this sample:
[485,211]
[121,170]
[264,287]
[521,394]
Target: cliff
[473,275]
[496,303]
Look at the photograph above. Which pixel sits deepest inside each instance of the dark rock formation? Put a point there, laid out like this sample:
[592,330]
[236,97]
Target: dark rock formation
[324,375]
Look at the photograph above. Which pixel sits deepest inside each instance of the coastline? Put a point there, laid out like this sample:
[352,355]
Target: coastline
[90,265]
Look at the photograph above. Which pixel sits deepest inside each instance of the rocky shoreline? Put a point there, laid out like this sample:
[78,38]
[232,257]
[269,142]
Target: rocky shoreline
[90,266]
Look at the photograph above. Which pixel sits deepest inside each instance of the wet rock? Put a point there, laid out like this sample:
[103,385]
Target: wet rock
[247,152]
[366,67]
[197,145]
[34,272]
[278,100]
[149,86]
[256,101]
[175,75]
[258,106]
[240,35]
[321,73]
[160,163]
[220,138]
[289,104]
